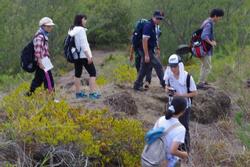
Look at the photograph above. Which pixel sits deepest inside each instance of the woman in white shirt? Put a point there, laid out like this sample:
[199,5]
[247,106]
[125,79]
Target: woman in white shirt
[78,31]
[176,135]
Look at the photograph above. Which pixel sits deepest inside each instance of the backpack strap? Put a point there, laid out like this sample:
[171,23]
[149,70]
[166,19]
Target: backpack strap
[171,128]
[188,85]
[38,35]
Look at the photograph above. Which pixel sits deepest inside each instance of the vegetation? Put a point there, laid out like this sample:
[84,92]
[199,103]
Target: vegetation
[116,69]
[37,120]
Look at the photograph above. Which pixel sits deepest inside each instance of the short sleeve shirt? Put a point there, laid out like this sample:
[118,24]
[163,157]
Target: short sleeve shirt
[175,135]
[149,31]
[174,83]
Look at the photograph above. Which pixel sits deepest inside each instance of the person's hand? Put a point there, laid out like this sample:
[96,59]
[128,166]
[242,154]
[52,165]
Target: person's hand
[147,59]
[177,94]
[213,43]
[40,65]
[90,60]
[158,52]
[131,58]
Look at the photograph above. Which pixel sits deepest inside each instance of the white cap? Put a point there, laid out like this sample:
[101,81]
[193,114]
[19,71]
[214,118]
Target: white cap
[46,21]
[173,60]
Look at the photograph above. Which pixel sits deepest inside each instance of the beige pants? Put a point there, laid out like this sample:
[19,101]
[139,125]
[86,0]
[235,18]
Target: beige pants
[206,67]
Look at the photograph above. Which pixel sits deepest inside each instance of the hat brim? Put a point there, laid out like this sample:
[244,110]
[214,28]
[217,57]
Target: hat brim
[159,17]
[49,24]
[173,64]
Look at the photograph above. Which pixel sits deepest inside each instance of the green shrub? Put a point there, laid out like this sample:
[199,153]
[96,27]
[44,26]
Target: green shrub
[39,120]
[101,80]
[124,73]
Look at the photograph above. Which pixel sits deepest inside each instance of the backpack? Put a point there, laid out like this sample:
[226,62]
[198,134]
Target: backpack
[154,151]
[27,58]
[70,51]
[198,46]
[137,34]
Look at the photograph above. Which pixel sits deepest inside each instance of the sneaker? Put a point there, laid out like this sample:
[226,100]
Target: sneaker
[56,100]
[81,95]
[94,95]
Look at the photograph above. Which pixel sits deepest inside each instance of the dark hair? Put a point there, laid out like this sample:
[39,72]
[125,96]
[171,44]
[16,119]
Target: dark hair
[177,106]
[78,20]
[217,12]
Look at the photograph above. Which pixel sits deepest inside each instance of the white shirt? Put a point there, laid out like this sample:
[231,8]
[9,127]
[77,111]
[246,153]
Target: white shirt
[180,88]
[175,135]
[81,40]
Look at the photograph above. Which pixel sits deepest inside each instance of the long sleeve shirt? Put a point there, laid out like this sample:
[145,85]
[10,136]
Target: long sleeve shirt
[81,41]
[41,46]
[207,32]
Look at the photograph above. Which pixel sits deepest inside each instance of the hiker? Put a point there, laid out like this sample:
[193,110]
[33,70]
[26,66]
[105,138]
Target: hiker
[41,48]
[177,79]
[176,135]
[208,36]
[78,30]
[137,59]
[147,51]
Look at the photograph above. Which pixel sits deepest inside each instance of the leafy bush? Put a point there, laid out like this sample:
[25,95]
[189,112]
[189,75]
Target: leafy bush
[101,80]
[39,120]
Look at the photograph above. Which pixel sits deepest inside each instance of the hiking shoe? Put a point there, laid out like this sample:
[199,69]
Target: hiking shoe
[28,94]
[146,86]
[81,95]
[200,85]
[140,89]
[94,95]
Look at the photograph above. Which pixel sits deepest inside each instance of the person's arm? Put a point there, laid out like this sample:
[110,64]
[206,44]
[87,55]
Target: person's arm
[193,90]
[207,30]
[85,46]
[131,53]
[191,94]
[38,47]
[174,150]
[145,48]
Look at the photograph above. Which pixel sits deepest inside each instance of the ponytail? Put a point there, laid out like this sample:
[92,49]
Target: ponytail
[177,106]
[169,112]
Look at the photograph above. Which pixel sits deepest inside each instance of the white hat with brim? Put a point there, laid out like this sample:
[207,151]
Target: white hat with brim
[46,21]
[173,60]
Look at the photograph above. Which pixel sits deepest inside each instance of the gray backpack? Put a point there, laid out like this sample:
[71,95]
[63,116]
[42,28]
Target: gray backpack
[154,153]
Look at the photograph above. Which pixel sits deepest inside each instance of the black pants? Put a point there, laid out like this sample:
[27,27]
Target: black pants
[184,119]
[42,78]
[89,67]
[138,60]
[147,67]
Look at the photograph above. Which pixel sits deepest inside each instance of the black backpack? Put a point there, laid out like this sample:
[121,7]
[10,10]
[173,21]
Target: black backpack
[70,51]
[27,58]
[137,34]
